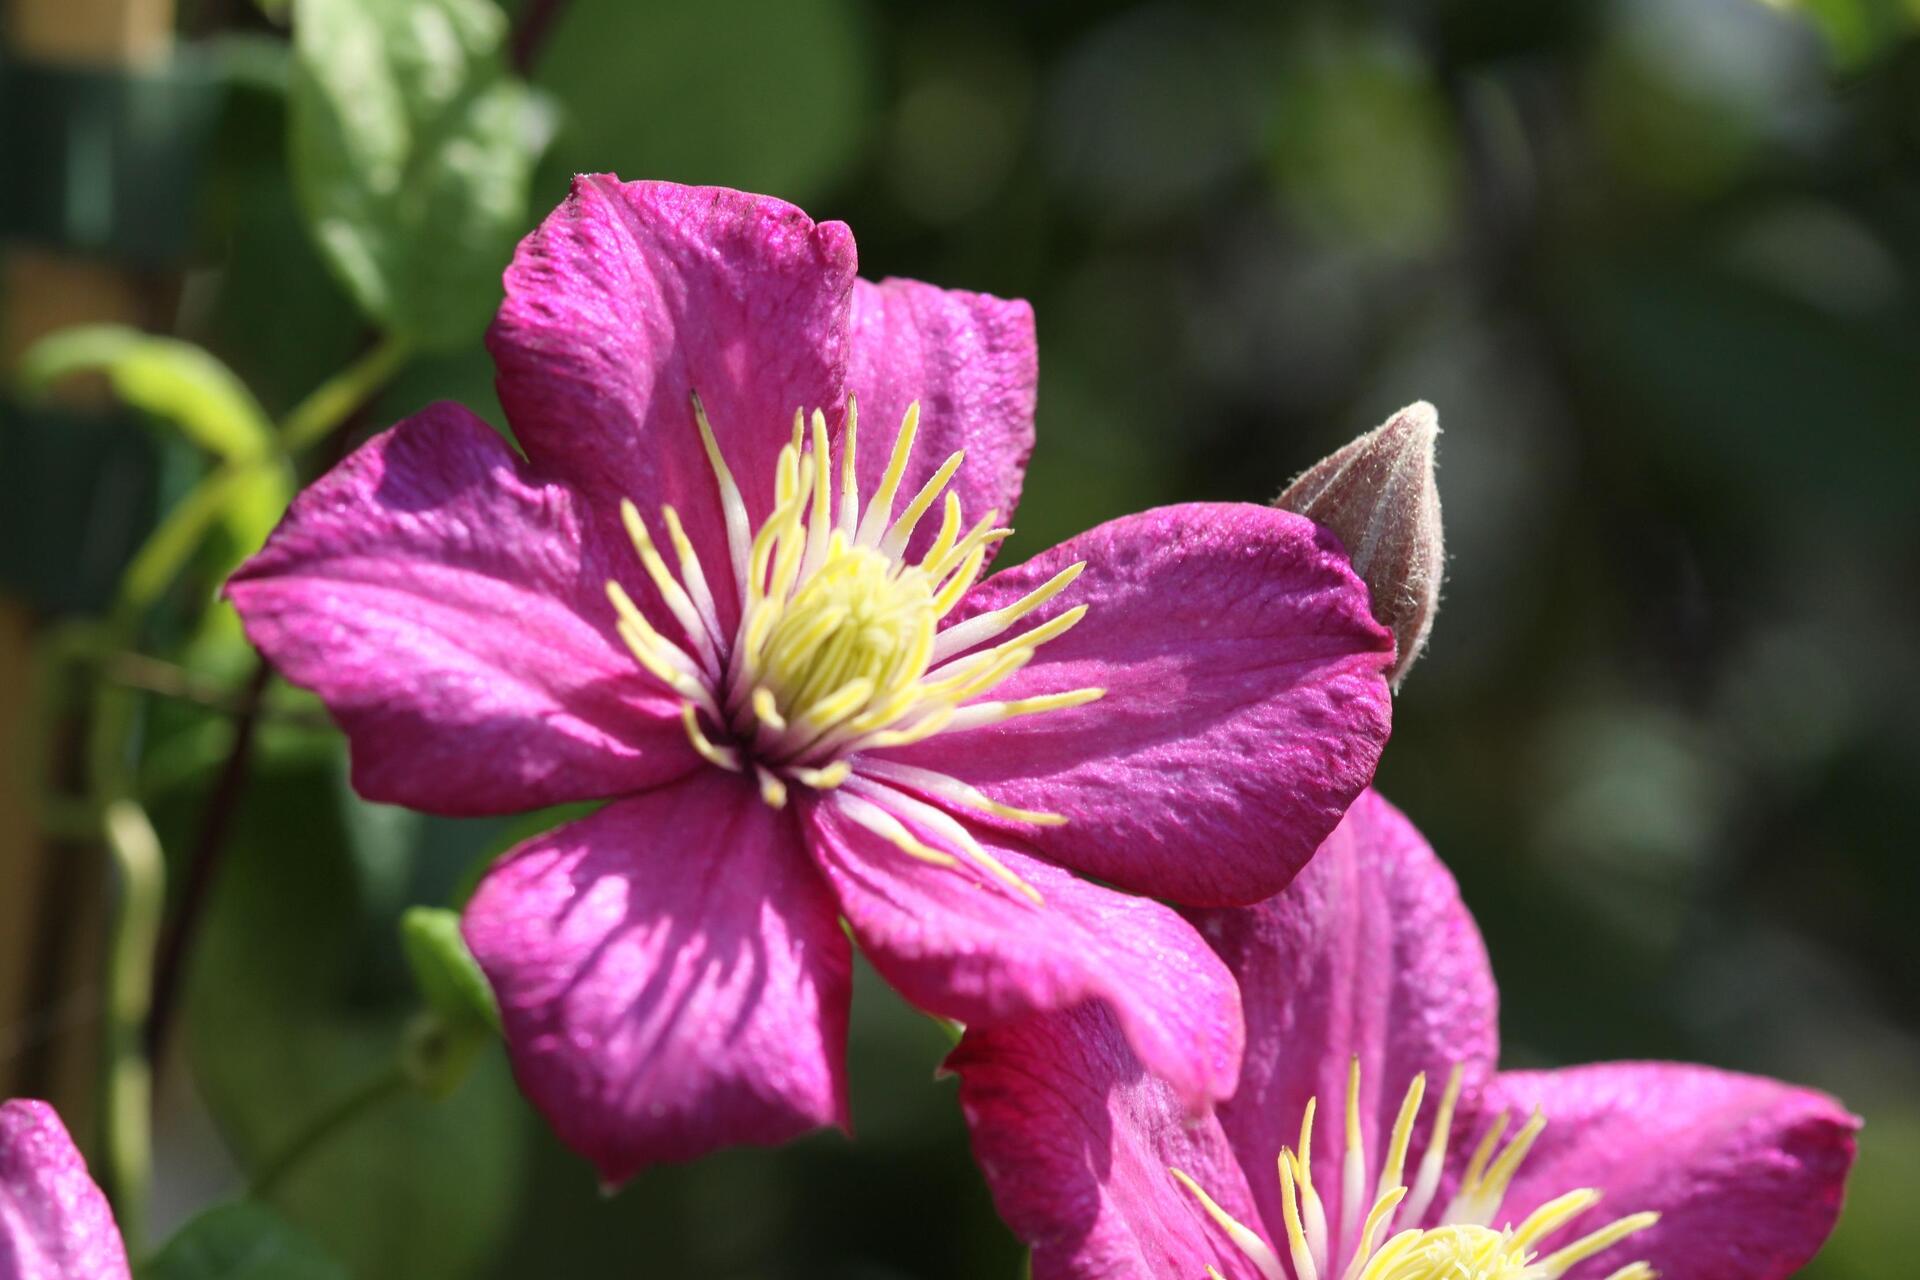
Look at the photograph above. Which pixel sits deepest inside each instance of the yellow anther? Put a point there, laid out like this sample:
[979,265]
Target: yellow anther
[1304,1266]
[964,635]
[880,509]
[977,714]
[1243,1238]
[1428,1180]
[1555,1264]
[832,656]
[1553,1215]
[765,710]
[1477,1166]
[849,471]
[1493,1188]
[821,779]
[1381,1214]
[949,529]
[1459,1247]
[724,757]
[902,531]
[1634,1271]
[889,828]
[772,789]
[955,791]
[1396,1162]
[1353,1175]
[739,536]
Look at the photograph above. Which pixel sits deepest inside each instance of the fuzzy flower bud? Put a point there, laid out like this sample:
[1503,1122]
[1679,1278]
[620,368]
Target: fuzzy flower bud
[1378,493]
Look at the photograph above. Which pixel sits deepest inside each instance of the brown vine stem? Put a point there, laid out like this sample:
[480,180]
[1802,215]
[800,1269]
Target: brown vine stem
[530,33]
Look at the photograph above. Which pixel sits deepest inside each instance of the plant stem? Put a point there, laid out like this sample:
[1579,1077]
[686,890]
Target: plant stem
[530,33]
[327,411]
[128,1082]
[335,400]
[139,863]
[202,860]
[371,1093]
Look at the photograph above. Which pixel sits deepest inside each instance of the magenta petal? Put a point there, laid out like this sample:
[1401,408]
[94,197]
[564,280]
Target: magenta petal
[1246,702]
[438,600]
[631,296]
[1747,1174]
[971,361]
[1369,953]
[1076,1140]
[671,974]
[963,945]
[54,1222]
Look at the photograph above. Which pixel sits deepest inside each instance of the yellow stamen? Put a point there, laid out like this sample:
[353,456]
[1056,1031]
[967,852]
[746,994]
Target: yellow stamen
[821,779]
[772,790]
[985,713]
[725,757]
[1304,1266]
[837,651]
[1457,1247]
[1243,1238]
[1556,1264]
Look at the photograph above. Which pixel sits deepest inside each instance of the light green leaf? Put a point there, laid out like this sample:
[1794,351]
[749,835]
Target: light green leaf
[242,1241]
[187,388]
[175,381]
[412,154]
[449,977]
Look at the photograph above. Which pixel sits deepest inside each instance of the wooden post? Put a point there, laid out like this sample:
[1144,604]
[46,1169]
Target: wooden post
[52,894]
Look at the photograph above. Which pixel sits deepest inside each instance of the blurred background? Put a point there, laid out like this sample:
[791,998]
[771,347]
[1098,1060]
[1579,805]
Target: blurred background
[1656,261]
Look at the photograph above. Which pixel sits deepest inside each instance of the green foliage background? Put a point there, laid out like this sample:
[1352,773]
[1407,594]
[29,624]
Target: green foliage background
[1656,261]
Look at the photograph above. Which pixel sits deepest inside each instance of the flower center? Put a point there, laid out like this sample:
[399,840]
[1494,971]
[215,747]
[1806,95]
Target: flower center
[1459,1245]
[853,620]
[839,648]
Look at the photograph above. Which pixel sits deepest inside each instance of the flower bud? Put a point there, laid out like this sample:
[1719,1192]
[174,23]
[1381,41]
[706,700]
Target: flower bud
[1378,493]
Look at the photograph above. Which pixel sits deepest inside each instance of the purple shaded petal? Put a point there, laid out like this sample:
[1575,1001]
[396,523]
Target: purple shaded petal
[1246,702]
[971,361]
[1369,953]
[1076,1140]
[1746,1173]
[671,974]
[54,1222]
[438,599]
[631,296]
[964,945]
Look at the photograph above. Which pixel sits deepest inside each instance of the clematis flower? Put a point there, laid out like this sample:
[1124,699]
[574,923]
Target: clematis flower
[54,1221]
[1368,995]
[733,589]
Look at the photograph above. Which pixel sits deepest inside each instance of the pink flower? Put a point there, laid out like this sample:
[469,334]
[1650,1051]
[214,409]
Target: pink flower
[54,1222]
[1368,996]
[714,596]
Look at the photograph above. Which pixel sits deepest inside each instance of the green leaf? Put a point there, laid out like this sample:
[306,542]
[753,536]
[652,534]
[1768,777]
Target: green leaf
[188,388]
[241,1241]
[174,381]
[412,155]
[449,977]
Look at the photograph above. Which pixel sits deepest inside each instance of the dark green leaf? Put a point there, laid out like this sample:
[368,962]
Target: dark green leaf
[242,1241]
[288,1005]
